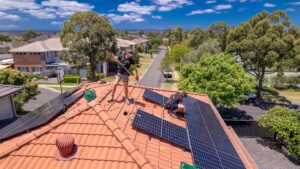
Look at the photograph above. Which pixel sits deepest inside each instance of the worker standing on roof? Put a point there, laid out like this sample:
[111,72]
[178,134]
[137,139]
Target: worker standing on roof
[174,103]
[125,61]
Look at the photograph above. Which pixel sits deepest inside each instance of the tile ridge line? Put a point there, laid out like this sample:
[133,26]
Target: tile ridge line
[124,140]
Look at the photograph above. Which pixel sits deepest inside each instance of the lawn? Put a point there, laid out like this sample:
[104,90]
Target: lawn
[293,96]
[281,96]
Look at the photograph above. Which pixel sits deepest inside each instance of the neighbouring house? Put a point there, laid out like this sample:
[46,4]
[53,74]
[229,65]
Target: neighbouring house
[123,44]
[101,134]
[40,57]
[142,41]
[7,108]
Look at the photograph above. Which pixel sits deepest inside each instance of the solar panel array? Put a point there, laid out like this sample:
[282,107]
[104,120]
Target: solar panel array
[208,142]
[155,97]
[161,128]
[39,116]
[210,146]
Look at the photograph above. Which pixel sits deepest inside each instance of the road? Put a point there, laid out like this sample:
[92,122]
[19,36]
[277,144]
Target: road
[153,77]
[46,95]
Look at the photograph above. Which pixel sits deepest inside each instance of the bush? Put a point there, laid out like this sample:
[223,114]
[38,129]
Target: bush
[284,123]
[219,76]
[283,82]
[71,78]
[14,77]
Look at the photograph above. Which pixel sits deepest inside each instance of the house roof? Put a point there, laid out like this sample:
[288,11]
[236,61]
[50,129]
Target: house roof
[51,44]
[104,136]
[124,43]
[9,89]
[140,40]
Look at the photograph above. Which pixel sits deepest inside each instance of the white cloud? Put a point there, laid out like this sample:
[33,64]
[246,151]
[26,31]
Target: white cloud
[3,27]
[65,8]
[223,7]
[295,3]
[215,10]
[290,9]
[269,5]
[47,9]
[241,1]
[56,23]
[156,17]
[6,16]
[168,5]
[211,1]
[18,4]
[136,8]
[204,11]
[125,18]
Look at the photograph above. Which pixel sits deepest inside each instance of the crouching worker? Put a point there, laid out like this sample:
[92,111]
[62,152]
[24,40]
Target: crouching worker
[124,61]
[174,103]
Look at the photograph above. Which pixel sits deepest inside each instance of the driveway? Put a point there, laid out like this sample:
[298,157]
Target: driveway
[153,77]
[46,95]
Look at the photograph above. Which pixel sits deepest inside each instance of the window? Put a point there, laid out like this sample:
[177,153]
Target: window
[23,69]
[36,70]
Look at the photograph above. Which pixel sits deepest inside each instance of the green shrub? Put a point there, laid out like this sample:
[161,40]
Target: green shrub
[98,76]
[71,78]
[14,77]
[284,123]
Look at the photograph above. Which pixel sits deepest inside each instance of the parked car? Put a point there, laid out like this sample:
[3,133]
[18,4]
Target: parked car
[251,97]
[168,73]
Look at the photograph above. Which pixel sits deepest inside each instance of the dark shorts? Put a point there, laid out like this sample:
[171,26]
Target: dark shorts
[172,107]
[123,77]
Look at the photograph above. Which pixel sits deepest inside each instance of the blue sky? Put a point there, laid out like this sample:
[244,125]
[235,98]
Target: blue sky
[139,14]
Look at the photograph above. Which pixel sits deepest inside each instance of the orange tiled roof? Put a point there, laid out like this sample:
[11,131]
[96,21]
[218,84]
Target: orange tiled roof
[104,136]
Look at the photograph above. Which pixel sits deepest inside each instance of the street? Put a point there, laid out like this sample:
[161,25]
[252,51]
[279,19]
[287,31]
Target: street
[153,77]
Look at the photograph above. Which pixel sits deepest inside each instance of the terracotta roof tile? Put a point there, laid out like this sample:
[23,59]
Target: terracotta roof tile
[103,135]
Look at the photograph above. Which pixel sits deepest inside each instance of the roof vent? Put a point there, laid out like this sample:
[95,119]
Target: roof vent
[66,147]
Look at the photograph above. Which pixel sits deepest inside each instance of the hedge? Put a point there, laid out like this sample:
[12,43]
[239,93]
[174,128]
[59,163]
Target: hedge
[284,123]
[71,78]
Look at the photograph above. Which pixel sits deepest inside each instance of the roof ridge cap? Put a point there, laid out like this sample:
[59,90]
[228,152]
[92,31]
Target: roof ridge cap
[132,150]
[167,90]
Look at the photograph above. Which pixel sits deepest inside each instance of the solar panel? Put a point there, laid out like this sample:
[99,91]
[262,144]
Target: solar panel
[210,146]
[39,116]
[155,97]
[161,128]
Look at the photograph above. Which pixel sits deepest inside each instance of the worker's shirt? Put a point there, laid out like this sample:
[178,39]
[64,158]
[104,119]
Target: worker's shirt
[125,63]
[175,99]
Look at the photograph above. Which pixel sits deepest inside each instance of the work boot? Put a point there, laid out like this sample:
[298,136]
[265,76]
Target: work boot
[127,101]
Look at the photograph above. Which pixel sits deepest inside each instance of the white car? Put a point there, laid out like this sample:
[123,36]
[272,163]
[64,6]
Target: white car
[168,74]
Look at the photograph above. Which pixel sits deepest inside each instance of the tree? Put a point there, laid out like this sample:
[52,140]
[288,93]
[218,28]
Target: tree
[284,123]
[263,42]
[175,36]
[89,39]
[219,31]
[154,42]
[195,37]
[208,47]
[4,37]
[14,77]
[30,34]
[174,56]
[219,76]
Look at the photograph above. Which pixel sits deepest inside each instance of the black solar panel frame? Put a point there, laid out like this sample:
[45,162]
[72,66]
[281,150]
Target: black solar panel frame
[155,97]
[161,128]
[209,132]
